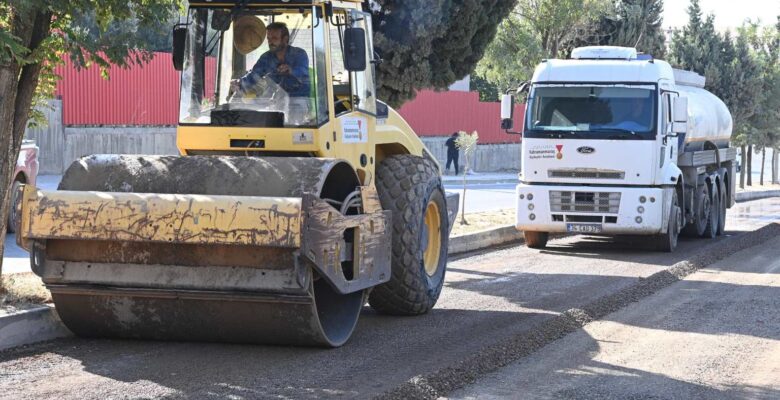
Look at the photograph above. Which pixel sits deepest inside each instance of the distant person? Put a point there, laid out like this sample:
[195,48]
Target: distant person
[452,153]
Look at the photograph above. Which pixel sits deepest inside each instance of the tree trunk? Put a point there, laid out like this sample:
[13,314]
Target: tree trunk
[17,88]
[743,158]
[465,172]
[763,162]
[750,165]
[775,160]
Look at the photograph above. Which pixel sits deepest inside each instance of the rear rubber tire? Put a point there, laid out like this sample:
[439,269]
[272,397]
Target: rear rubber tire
[667,242]
[536,240]
[722,211]
[407,186]
[698,225]
[11,221]
[713,220]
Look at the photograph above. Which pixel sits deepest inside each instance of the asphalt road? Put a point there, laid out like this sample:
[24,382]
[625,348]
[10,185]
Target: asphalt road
[487,297]
[713,335]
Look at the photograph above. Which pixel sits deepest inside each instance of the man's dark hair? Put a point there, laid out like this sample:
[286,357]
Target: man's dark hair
[279,26]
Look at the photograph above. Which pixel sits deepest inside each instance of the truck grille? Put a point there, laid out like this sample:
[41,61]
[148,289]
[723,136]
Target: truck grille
[585,174]
[585,202]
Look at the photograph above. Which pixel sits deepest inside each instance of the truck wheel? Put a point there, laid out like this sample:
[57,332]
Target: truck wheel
[11,227]
[668,241]
[411,188]
[722,212]
[713,220]
[701,215]
[536,240]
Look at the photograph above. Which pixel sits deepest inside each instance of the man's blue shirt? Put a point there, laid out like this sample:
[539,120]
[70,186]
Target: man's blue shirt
[296,83]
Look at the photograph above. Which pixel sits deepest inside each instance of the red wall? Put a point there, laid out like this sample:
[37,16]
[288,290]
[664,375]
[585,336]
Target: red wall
[149,95]
[139,95]
[442,113]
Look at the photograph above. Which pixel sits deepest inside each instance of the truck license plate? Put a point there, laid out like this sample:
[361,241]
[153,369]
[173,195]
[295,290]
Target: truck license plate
[583,228]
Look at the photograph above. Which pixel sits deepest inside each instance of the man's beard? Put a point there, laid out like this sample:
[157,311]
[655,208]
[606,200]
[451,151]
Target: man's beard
[276,48]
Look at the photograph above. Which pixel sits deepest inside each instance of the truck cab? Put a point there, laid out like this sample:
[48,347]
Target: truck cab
[608,143]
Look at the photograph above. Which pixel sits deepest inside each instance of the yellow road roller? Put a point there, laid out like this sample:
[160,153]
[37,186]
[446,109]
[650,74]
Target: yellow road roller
[297,198]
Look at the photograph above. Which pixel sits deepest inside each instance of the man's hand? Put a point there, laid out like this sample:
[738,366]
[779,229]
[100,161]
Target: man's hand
[283,69]
[235,86]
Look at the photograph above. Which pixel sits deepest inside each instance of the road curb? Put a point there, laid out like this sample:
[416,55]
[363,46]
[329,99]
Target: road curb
[31,326]
[485,239]
[461,373]
[756,195]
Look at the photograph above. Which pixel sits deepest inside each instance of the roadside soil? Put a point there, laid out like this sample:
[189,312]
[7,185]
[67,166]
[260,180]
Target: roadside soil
[481,221]
[21,292]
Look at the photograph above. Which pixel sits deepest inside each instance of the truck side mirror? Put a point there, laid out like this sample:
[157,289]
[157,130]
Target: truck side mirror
[680,115]
[179,42]
[355,49]
[507,111]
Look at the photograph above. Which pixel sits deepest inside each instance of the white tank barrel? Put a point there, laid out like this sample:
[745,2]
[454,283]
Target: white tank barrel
[708,117]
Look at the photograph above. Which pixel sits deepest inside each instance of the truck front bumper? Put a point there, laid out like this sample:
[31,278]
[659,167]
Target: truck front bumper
[592,210]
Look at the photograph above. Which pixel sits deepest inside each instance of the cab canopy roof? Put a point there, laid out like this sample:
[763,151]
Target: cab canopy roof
[604,64]
[604,53]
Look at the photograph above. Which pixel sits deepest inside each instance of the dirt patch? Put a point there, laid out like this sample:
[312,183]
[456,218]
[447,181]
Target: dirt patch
[22,291]
[483,220]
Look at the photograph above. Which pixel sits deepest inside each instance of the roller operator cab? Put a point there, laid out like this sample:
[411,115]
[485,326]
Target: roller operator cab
[297,198]
[616,143]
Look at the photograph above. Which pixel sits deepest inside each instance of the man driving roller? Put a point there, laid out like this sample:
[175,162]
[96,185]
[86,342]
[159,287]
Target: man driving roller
[286,65]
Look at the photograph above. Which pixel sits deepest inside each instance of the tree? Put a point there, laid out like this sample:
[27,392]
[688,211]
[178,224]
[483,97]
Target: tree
[732,70]
[629,23]
[488,91]
[127,32]
[467,143]
[431,43]
[765,44]
[535,30]
[34,37]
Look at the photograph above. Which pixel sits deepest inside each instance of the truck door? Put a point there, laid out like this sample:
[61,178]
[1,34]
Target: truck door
[670,143]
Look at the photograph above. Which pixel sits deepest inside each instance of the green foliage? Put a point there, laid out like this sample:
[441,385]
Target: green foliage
[765,43]
[536,30]
[431,43]
[487,90]
[89,32]
[629,23]
[733,69]
[129,32]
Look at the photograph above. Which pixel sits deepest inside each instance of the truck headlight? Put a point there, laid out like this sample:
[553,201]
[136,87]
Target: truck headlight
[532,216]
[642,199]
[638,220]
[530,207]
[640,209]
[530,197]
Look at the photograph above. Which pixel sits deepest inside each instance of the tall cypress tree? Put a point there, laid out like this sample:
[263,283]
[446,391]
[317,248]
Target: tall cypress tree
[629,23]
[431,43]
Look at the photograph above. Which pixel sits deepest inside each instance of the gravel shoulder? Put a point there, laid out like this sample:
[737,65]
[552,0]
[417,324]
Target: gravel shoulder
[714,335]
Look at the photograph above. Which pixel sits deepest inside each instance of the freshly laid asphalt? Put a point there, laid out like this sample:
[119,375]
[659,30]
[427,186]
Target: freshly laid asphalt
[490,298]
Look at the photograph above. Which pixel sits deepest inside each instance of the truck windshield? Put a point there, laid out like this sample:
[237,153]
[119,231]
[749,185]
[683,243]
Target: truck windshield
[608,112]
[255,68]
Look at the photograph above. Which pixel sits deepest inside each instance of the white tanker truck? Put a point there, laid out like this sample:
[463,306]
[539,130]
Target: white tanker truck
[616,143]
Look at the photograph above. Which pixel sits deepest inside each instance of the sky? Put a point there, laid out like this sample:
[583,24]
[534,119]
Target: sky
[729,14]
